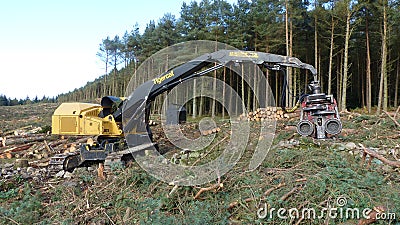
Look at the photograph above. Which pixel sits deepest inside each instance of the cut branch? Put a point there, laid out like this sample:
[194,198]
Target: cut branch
[393,119]
[374,154]
[287,195]
[216,186]
[266,193]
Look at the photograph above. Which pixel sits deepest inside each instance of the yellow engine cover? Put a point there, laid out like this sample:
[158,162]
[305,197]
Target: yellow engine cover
[83,119]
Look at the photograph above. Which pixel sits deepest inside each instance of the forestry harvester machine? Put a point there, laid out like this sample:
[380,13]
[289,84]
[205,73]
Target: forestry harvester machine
[319,116]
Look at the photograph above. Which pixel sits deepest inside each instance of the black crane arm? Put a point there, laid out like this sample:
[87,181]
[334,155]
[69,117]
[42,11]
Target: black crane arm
[189,70]
[139,101]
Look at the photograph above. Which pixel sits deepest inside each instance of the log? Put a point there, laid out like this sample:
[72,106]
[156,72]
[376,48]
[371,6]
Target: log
[17,148]
[47,146]
[262,114]
[57,143]
[152,123]
[3,141]
[15,130]
[6,155]
[25,140]
[206,132]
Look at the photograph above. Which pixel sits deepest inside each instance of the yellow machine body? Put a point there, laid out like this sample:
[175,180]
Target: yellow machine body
[83,119]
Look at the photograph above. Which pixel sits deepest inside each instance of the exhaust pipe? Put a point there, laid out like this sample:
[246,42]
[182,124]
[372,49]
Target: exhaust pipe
[333,126]
[305,128]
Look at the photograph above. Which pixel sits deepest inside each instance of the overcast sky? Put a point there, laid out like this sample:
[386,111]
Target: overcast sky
[48,47]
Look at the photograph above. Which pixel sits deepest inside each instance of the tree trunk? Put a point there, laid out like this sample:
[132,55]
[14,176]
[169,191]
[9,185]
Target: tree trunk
[213,106]
[267,86]
[331,58]
[105,76]
[201,99]
[384,58]
[242,82]
[231,90]
[277,94]
[383,93]
[288,69]
[214,102]
[339,72]
[368,69]
[294,87]
[361,84]
[321,78]
[343,106]
[223,94]
[194,109]
[316,38]
[268,89]
[255,86]
[249,90]
[396,91]
[378,109]
[292,73]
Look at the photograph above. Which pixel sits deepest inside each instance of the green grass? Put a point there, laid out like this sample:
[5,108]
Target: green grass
[135,197]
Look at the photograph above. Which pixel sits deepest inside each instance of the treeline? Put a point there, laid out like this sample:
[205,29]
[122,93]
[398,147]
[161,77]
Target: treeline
[4,101]
[354,45]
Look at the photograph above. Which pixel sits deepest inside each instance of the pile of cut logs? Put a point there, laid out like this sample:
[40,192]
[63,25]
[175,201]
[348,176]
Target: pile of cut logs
[268,113]
[210,131]
[29,144]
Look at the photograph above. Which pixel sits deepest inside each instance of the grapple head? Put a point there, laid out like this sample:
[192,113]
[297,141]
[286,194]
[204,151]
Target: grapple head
[319,115]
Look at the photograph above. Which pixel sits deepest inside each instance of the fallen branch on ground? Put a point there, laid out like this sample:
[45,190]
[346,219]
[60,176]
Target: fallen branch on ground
[393,119]
[287,195]
[209,151]
[266,193]
[397,111]
[216,186]
[374,154]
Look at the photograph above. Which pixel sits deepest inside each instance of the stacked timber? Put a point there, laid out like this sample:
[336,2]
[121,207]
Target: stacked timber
[268,113]
[31,144]
[210,131]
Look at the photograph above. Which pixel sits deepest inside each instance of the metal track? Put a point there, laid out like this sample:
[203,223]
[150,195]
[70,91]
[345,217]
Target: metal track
[56,163]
